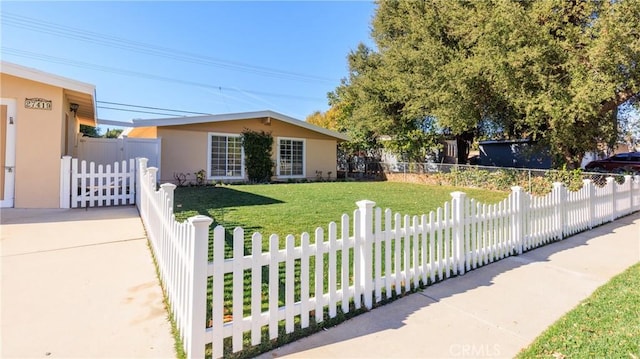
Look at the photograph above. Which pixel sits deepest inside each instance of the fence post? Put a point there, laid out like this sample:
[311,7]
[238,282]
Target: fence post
[628,182]
[458,210]
[612,182]
[198,286]
[169,189]
[366,250]
[516,219]
[591,193]
[635,197]
[151,172]
[559,198]
[133,180]
[167,208]
[65,182]
[142,175]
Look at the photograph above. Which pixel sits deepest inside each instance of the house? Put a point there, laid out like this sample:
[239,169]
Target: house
[41,115]
[213,143]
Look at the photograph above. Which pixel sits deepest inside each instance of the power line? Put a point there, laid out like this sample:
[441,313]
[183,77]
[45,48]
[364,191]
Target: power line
[144,48]
[138,111]
[149,108]
[74,63]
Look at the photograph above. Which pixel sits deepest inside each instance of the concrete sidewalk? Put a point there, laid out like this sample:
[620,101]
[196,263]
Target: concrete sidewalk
[494,311]
[80,283]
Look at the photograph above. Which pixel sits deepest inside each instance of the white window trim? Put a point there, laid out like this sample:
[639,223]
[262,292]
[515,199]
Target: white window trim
[304,157]
[242,171]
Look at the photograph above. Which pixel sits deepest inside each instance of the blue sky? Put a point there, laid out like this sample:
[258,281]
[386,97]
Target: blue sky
[205,56]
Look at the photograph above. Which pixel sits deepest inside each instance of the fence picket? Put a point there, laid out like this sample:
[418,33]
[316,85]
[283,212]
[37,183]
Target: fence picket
[256,290]
[319,275]
[332,271]
[406,246]
[84,182]
[424,261]
[289,284]
[447,240]
[273,286]
[439,245]
[357,260]
[397,267]
[344,250]
[378,238]
[304,280]
[432,248]
[414,266]
[93,183]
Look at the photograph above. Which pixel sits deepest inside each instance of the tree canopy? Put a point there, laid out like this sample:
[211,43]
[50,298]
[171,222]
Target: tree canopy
[113,133]
[554,71]
[326,119]
[90,131]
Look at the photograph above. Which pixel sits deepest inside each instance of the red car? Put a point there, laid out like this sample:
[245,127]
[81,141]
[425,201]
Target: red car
[620,163]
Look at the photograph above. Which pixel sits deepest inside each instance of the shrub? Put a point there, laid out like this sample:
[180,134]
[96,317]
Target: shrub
[257,153]
[200,177]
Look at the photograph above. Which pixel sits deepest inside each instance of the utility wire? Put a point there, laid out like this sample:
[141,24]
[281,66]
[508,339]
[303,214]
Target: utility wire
[149,108]
[50,28]
[138,111]
[70,62]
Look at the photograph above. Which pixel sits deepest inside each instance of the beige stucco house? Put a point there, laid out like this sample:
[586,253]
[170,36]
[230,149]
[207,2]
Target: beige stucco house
[41,115]
[213,143]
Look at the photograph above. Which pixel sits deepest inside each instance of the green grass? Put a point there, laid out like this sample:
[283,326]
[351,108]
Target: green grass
[295,208]
[605,325]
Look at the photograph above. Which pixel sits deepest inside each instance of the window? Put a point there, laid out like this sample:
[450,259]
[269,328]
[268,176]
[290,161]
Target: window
[291,153]
[226,156]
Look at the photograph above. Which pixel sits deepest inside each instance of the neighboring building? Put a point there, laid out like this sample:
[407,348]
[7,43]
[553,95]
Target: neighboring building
[41,115]
[514,153]
[213,143]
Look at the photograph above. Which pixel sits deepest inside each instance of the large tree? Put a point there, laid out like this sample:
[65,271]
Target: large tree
[555,71]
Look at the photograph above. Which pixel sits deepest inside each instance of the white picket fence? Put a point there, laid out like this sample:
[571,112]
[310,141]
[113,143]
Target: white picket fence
[89,185]
[370,257]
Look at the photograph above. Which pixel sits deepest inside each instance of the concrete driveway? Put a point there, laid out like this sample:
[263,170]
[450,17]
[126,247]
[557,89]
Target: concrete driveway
[80,283]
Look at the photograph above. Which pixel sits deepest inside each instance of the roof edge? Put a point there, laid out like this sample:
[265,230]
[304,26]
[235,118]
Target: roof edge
[47,78]
[187,120]
[103,122]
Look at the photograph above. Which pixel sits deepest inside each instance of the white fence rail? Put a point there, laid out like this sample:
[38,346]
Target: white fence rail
[88,185]
[370,257]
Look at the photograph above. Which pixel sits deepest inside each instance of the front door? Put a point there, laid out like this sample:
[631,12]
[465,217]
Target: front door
[7,151]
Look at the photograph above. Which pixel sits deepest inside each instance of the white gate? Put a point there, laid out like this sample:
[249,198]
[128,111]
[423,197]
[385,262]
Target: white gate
[109,150]
[87,185]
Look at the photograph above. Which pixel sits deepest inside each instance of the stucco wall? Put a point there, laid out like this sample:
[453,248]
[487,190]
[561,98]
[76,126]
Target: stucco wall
[38,142]
[321,156]
[185,147]
[143,132]
[182,152]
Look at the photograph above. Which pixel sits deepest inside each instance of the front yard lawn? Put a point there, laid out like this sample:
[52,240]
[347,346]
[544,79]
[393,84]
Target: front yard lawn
[295,208]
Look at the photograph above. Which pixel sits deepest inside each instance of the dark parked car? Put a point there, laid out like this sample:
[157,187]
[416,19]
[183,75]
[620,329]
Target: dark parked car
[621,163]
